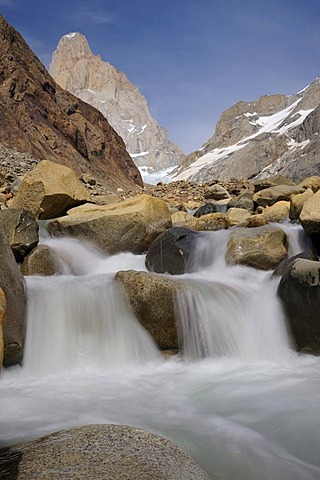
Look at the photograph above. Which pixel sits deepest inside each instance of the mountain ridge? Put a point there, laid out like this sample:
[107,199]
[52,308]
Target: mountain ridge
[100,84]
[264,137]
[40,118]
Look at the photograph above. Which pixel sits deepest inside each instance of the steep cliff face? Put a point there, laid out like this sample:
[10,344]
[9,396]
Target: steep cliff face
[75,68]
[38,117]
[276,134]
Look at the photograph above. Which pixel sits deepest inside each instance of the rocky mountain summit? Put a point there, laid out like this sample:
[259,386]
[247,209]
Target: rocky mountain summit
[277,134]
[76,69]
[41,119]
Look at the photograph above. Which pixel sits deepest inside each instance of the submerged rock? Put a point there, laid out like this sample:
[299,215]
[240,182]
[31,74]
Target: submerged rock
[172,251]
[100,452]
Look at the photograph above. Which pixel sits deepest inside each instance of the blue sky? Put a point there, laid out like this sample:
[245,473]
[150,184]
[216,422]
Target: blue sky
[191,59]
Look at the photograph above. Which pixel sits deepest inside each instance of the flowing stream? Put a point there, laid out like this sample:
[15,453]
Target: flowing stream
[239,399]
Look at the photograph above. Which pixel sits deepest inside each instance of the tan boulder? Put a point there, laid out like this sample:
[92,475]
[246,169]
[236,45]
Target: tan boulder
[271,195]
[41,261]
[297,202]
[311,182]
[209,222]
[152,298]
[261,247]
[130,225]
[50,190]
[255,221]
[2,314]
[278,212]
[310,214]
[217,192]
[237,215]
[99,452]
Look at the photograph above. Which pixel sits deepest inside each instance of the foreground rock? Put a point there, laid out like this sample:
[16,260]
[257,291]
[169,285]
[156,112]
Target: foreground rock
[12,284]
[21,231]
[50,190]
[299,290]
[99,452]
[131,225]
[152,298]
[172,251]
[260,247]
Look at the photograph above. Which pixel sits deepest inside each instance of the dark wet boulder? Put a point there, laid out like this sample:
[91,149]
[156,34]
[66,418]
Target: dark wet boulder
[21,231]
[299,290]
[205,209]
[172,251]
[12,284]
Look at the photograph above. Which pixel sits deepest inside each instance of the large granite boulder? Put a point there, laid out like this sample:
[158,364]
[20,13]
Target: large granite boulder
[21,231]
[299,290]
[131,225]
[50,190]
[237,216]
[277,212]
[12,284]
[152,298]
[243,200]
[297,202]
[260,247]
[208,222]
[310,214]
[172,251]
[271,195]
[41,261]
[310,219]
[3,304]
[99,452]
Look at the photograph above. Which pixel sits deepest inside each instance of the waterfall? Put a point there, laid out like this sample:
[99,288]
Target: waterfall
[239,399]
[82,322]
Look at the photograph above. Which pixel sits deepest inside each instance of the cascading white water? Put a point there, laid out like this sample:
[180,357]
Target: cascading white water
[83,322]
[249,410]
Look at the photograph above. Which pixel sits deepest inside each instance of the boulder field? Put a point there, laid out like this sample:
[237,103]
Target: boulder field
[164,221]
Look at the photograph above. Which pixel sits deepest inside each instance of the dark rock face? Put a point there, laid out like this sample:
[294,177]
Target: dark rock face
[205,210]
[100,452]
[40,118]
[21,231]
[171,252]
[12,284]
[299,290]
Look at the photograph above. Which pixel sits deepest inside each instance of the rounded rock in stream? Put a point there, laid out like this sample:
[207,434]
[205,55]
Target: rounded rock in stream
[171,252]
[100,452]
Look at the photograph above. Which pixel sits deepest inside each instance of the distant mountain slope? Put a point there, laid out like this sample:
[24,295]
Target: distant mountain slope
[38,117]
[276,134]
[75,68]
